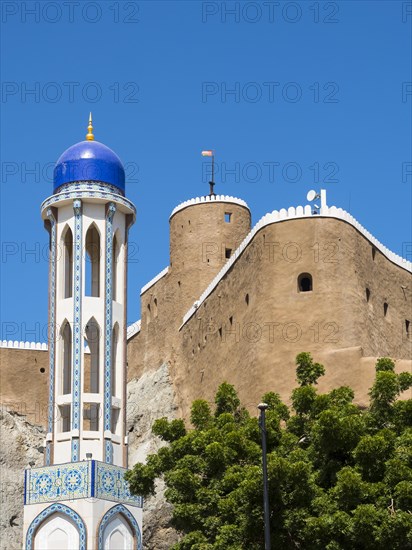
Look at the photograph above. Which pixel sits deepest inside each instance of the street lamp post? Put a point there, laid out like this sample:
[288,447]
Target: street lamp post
[262,423]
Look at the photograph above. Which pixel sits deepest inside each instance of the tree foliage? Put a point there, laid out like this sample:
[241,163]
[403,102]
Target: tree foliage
[339,477]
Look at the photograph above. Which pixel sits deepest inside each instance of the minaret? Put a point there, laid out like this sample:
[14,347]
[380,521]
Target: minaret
[79,499]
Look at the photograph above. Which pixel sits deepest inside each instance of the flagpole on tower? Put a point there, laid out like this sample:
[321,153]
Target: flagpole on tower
[212,183]
[211,153]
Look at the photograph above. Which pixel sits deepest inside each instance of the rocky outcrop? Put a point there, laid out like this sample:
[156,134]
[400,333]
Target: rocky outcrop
[21,447]
[148,398]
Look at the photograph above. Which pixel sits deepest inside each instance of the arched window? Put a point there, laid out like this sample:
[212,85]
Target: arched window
[305,282]
[368,294]
[115,342]
[116,258]
[92,362]
[385,309]
[92,283]
[67,240]
[66,333]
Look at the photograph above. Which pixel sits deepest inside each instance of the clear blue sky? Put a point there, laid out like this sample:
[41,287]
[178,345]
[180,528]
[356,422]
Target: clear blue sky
[320,87]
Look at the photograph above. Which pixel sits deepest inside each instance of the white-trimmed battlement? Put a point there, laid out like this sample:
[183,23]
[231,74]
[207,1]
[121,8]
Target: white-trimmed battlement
[295,213]
[154,280]
[15,344]
[207,199]
[132,329]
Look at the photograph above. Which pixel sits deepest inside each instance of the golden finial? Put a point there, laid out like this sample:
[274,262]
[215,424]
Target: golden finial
[90,136]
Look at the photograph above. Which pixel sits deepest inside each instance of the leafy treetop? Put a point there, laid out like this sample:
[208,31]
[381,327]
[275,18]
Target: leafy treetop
[339,477]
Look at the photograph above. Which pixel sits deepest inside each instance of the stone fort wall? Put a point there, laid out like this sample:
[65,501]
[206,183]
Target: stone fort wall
[251,320]
[242,319]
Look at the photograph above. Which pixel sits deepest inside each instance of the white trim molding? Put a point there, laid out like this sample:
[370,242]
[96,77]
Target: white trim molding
[154,280]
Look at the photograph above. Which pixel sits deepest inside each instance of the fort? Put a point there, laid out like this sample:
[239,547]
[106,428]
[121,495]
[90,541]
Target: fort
[238,303]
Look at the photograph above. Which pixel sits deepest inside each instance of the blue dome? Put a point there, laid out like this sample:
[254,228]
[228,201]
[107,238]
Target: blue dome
[86,161]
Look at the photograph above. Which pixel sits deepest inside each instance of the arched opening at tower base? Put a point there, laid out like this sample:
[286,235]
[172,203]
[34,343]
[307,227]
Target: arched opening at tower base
[56,533]
[58,527]
[119,530]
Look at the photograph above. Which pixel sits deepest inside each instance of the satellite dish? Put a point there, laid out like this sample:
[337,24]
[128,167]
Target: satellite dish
[311,195]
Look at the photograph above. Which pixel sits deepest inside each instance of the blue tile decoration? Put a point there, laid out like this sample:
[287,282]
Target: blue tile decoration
[52,328]
[77,336]
[53,509]
[79,480]
[108,332]
[122,510]
[111,485]
[59,482]
[88,186]
[86,190]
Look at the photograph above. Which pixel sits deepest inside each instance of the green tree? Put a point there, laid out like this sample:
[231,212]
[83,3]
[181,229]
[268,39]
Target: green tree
[340,477]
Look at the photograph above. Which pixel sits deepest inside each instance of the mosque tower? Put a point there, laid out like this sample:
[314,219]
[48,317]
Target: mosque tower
[79,499]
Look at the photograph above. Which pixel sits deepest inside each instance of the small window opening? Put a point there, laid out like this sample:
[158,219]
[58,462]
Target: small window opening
[305,282]
[91,413]
[220,332]
[67,359]
[231,319]
[155,307]
[228,252]
[68,263]
[407,325]
[385,309]
[42,370]
[373,252]
[247,299]
[92,283]
[228,217]
[92,360]
[368,294]
[179,283]
[64,418]
[115,420]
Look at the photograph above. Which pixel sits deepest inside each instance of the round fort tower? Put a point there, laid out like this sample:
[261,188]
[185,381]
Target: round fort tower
[204,233]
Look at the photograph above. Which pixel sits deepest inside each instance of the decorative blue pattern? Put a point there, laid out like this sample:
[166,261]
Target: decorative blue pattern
[108,332]
[59,482]
[52,335]
[88,186]
[122,510]
[111,485]
[77,310]
[56,509]
[87,190]
[72,481]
